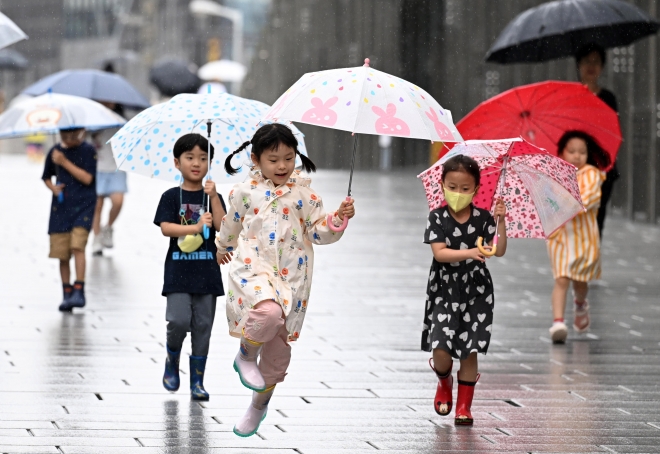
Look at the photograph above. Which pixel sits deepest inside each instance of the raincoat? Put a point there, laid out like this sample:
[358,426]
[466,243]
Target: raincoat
[271,230]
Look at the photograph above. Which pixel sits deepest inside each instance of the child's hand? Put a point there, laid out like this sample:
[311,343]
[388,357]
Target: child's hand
[223,259]
[57,189]
[205,220]
[475,254]
[58,157]
[346,209]
[500,209]
[209,189]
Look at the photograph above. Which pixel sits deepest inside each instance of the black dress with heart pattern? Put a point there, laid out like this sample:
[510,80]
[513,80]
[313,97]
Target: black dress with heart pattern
[458,317]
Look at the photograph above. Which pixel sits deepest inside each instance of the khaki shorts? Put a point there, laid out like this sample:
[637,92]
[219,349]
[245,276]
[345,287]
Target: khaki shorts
[61,244]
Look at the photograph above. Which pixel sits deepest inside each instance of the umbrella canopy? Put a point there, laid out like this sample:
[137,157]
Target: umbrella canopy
[223,71]
[365,100]
[173,77]
[9,32]
[51,112]
[558,29]
[541,113]
[12,59]
[90,84]
[144,145]
[540,191]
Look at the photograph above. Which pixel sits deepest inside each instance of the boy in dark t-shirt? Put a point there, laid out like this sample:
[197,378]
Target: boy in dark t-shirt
[73,164]
[192,275]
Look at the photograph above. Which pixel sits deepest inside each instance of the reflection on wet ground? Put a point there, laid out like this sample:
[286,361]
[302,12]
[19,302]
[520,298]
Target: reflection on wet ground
[90,381]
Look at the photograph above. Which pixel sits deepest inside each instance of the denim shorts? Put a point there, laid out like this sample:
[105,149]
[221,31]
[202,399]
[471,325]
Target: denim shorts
[110,183]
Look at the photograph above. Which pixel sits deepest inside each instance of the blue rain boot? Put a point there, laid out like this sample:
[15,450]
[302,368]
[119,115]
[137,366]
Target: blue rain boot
[197,366]
[78,295]
[67,290]
[171,379]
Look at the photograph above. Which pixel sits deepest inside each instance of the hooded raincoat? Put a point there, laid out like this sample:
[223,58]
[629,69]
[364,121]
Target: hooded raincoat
[271,230]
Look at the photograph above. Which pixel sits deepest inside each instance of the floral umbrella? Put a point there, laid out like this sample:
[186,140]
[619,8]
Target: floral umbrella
[540,190]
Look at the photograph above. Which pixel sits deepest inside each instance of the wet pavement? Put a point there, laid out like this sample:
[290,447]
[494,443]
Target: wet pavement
[90,382]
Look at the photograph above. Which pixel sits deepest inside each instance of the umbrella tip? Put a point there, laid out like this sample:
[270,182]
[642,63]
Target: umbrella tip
[366,62]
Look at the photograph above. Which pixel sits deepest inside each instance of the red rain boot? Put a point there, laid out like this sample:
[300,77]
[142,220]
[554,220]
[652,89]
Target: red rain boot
[443,393]
[464,401]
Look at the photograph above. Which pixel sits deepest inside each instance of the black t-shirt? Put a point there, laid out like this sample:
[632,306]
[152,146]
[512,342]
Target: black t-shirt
[77,206]
[195,272]
[608,98]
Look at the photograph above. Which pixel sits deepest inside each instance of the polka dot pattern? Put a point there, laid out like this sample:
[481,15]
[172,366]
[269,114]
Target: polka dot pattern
[149,137]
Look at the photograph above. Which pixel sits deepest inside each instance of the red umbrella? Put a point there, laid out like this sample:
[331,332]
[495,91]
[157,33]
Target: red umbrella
[541,113]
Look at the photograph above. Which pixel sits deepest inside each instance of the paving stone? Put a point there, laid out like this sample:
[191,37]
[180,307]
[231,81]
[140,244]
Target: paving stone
[358,383]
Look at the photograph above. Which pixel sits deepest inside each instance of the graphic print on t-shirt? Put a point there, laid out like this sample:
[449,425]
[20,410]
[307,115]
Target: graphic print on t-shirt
[189,214]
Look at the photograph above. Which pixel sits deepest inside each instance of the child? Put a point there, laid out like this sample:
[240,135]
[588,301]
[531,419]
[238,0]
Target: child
[73,164]
[459,304]
[274,217]
[192,277]
[575,248]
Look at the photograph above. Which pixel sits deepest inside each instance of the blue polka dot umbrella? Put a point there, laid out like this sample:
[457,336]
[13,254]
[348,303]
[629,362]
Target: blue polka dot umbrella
[144,145]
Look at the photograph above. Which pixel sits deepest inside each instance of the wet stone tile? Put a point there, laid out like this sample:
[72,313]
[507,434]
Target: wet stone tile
[91,381]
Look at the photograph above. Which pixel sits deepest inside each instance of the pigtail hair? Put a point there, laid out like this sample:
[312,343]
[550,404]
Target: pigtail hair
[307,163]
[228,167]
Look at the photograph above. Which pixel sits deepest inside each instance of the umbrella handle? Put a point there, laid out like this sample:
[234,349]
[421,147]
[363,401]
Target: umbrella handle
[344,224]
[60,197]
[480,246]
[206,231]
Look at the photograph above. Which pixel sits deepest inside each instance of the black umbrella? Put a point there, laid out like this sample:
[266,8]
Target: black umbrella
[558,29]
[12,59]
[173,77]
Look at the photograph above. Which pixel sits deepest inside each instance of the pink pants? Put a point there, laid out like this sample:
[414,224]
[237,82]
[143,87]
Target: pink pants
[265,324]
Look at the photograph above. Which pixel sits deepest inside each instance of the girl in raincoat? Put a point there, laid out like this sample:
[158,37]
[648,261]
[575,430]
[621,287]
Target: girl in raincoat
[272,220]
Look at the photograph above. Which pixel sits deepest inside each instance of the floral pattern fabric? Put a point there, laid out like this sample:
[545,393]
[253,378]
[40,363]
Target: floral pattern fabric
[540,190]
[271,230]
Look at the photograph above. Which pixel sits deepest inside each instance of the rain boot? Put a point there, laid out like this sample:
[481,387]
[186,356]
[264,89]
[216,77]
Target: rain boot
[197,366]
[171,379]
[464,401]
[246,364]
[67,290]
[443,393]
[248,425]
[78,295]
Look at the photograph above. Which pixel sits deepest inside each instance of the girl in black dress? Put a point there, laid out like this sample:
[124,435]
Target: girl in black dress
[458,318]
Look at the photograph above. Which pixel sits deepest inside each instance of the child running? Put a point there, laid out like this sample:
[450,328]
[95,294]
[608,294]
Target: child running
[458,319]
[575,248]
[73,164]
[273,219]
[192,276]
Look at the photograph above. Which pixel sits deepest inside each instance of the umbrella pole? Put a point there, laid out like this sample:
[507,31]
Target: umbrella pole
[208,174]
[502,180]
[355,147]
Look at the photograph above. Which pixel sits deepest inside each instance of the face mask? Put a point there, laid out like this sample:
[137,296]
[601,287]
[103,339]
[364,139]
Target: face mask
[456,200]
[190,243]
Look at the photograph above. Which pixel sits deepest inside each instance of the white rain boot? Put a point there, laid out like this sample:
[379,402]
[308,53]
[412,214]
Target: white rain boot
[246,364]
[248,425]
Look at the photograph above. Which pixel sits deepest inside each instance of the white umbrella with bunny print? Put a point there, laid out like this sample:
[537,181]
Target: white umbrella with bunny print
[365,100]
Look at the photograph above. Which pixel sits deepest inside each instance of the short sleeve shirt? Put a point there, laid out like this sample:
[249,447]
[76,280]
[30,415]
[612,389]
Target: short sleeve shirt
[195,272]
[77,207]
[441,227]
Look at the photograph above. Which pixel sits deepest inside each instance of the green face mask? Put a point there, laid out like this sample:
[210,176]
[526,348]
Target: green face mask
[456,200]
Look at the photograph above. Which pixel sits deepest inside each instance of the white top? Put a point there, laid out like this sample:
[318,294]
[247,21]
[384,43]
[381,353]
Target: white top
[105,161]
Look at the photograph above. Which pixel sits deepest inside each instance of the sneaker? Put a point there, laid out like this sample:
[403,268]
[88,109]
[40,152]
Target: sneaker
[558,332]
[581,321]
[106,237]
[97,245]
